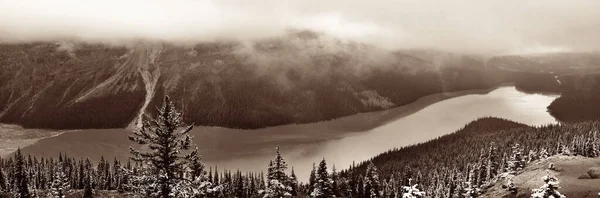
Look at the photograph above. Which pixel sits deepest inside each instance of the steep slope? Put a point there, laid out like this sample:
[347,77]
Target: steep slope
[299,78]
[41,86]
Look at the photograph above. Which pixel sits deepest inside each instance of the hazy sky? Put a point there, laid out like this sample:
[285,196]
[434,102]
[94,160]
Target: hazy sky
[464,25]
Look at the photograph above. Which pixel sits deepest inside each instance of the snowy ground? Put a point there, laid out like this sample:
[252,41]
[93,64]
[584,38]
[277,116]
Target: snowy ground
[13,137]
[569,169]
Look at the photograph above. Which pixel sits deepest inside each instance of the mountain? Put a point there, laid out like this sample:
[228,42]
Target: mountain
[299,78]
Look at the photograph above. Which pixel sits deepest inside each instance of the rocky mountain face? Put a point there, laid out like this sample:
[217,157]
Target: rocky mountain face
[294,79]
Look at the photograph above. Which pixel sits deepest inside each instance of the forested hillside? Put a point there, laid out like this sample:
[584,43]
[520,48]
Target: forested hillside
[580,99]
[477,155]
[299,78]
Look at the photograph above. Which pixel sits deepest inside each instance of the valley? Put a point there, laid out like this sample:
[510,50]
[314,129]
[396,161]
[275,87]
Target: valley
[364,135]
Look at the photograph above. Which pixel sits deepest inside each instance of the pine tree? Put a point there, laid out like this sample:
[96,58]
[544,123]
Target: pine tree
[516,161]
[168,150]
[20,177]
[471,189]
[411,191]
[3,185]
[372,187]
[493,158]
[591,147]
[60,186]
[549,189]
[87,189]
[312,179]
[293,183]
[323,186]
[360,187]
[335,186]
[483,168]
[276,178]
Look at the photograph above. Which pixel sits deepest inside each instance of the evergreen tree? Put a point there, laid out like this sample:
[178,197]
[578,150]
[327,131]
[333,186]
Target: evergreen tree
[335,186]
[516,161]
[549,189]
[411,191]
[293,183]
[323,186]
[277,185]
[87,189]
[21,181]
[591,147]
[168,150]
[3,185]
[493,161]
[372,187]
[360,187]
[312,179]
[60,186]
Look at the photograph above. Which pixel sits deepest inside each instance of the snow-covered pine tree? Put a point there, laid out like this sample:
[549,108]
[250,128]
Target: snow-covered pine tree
[544,153]
[393,186]
[21,182]
[195,182]
[60,186]
[277,179]
[483,168]
[471,189]
[168,150]
[515,162]
[591,145]
[238,187]
[493,161]
[351,182]
[371,182]
[312,179]
[323,186]
[412,190]
[549,189]
[335,185]
[293,180]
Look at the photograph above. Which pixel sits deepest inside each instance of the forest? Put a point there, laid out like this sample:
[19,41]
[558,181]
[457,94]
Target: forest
[461,164]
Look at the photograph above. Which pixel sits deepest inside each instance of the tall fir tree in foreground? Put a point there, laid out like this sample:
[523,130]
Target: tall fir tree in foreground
[277,180]
[323,185]
[21,181]
[169,151]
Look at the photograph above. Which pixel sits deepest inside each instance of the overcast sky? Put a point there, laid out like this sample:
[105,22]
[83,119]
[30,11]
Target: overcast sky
[461,25]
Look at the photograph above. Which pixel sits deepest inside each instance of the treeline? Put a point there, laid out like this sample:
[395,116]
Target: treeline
[465,163]
[44,176]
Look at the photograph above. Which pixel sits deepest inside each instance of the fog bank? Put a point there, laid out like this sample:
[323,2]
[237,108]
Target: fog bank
[499,26]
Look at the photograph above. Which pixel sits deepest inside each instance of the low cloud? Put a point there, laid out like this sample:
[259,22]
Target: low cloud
[474,26]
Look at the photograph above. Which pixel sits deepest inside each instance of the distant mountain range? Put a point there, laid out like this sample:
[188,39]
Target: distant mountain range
[299,78]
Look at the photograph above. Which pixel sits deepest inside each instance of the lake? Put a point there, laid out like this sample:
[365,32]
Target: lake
[340,141]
